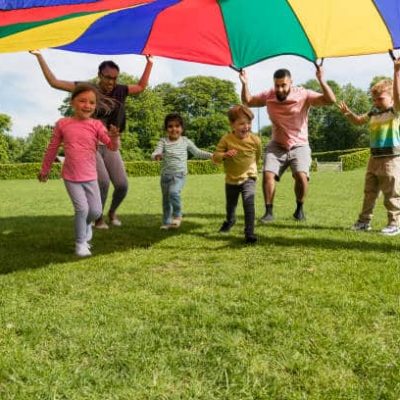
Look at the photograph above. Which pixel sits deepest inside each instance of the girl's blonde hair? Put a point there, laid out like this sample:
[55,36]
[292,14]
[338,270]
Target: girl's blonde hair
[382,86]
[238,111]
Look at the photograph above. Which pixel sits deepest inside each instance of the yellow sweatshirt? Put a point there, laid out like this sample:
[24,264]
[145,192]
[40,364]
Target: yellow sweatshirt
[244,164]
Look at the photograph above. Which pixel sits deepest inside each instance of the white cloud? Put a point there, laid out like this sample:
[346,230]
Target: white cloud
[28,99]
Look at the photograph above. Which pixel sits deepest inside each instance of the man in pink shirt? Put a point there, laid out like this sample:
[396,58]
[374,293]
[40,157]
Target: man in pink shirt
[288,108]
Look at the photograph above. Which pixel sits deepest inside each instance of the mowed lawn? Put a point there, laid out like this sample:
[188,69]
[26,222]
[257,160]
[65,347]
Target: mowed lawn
[310,312]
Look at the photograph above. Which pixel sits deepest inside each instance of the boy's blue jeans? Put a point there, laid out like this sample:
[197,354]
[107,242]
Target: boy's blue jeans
[171,187]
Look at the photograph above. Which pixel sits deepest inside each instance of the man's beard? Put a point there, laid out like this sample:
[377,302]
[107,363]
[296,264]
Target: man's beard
[282,96]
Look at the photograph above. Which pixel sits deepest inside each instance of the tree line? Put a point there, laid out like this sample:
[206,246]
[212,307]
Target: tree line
[203,102]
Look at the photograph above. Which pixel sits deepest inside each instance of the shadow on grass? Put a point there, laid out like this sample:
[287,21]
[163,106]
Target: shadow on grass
[364,242]
[267,234]
[283,222]
[34,242]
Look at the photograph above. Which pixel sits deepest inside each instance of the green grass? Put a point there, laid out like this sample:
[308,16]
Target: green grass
[311,312]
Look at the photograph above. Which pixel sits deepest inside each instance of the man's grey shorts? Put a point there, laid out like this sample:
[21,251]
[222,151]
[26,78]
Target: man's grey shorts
[277,159]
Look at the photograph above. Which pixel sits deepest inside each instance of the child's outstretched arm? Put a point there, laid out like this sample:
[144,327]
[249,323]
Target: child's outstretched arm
[396,85]
[50,77]
[353,118]
[198,152]
[50,154]
[158,151]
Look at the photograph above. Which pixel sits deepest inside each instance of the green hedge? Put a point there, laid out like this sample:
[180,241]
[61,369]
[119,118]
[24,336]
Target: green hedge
[26,171]
[313,167]
[355,160]
[133,168]
[199,167]
[334,155]
[351,159]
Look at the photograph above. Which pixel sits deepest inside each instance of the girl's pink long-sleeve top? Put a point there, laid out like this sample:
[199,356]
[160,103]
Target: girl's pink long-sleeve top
[80,139]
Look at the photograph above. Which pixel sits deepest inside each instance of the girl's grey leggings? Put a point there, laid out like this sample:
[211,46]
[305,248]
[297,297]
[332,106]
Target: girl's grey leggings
[110,166]
[85,197]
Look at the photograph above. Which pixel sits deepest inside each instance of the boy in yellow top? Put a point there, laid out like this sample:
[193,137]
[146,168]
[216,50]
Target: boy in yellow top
[240,151]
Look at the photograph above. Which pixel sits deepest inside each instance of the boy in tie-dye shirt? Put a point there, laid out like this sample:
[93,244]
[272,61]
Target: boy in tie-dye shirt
[383,171]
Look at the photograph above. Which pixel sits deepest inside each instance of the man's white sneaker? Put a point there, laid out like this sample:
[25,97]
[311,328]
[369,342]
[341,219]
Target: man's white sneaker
[391,230]
[82,250]
[165,227]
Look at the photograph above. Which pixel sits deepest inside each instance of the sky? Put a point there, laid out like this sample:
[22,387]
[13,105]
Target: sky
[27,98]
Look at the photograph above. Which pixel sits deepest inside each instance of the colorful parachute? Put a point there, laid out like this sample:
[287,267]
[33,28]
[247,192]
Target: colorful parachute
[220,32]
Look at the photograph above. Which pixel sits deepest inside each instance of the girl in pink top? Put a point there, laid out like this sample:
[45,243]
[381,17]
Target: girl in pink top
[80,135]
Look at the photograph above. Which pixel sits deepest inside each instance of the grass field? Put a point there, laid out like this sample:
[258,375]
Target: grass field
[310,312]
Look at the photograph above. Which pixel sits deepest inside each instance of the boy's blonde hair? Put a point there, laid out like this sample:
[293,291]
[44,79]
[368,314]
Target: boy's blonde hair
[238,111]
[382,86]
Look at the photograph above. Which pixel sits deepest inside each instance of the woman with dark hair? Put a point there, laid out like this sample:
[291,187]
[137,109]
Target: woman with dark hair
[111,111]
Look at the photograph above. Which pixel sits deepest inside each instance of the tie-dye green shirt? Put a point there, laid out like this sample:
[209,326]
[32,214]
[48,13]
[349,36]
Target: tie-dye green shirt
[384,127]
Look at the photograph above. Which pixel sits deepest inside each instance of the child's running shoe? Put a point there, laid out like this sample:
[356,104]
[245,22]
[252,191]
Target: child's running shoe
[391,230]
[176,222]
[226,227]
[82,250]
[267,217]
[361,226]
[299,215]
[250,239]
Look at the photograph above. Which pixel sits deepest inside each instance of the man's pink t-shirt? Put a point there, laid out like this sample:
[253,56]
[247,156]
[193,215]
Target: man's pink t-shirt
[289,117]
[80,139]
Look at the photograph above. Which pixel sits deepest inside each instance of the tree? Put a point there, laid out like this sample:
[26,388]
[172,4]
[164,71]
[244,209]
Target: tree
[145,115]
[36,143]
[16,147]
[327,127]
[199,96]
[337,132]
[5,126]
[168,93]
[206,131]
[130,149]
[203,103]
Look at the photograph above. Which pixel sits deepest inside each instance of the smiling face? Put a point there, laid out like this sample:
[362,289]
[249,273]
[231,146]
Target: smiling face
[241,127]
[382,101]
[174,130]
[84,104]
[108,79]
[282,87]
